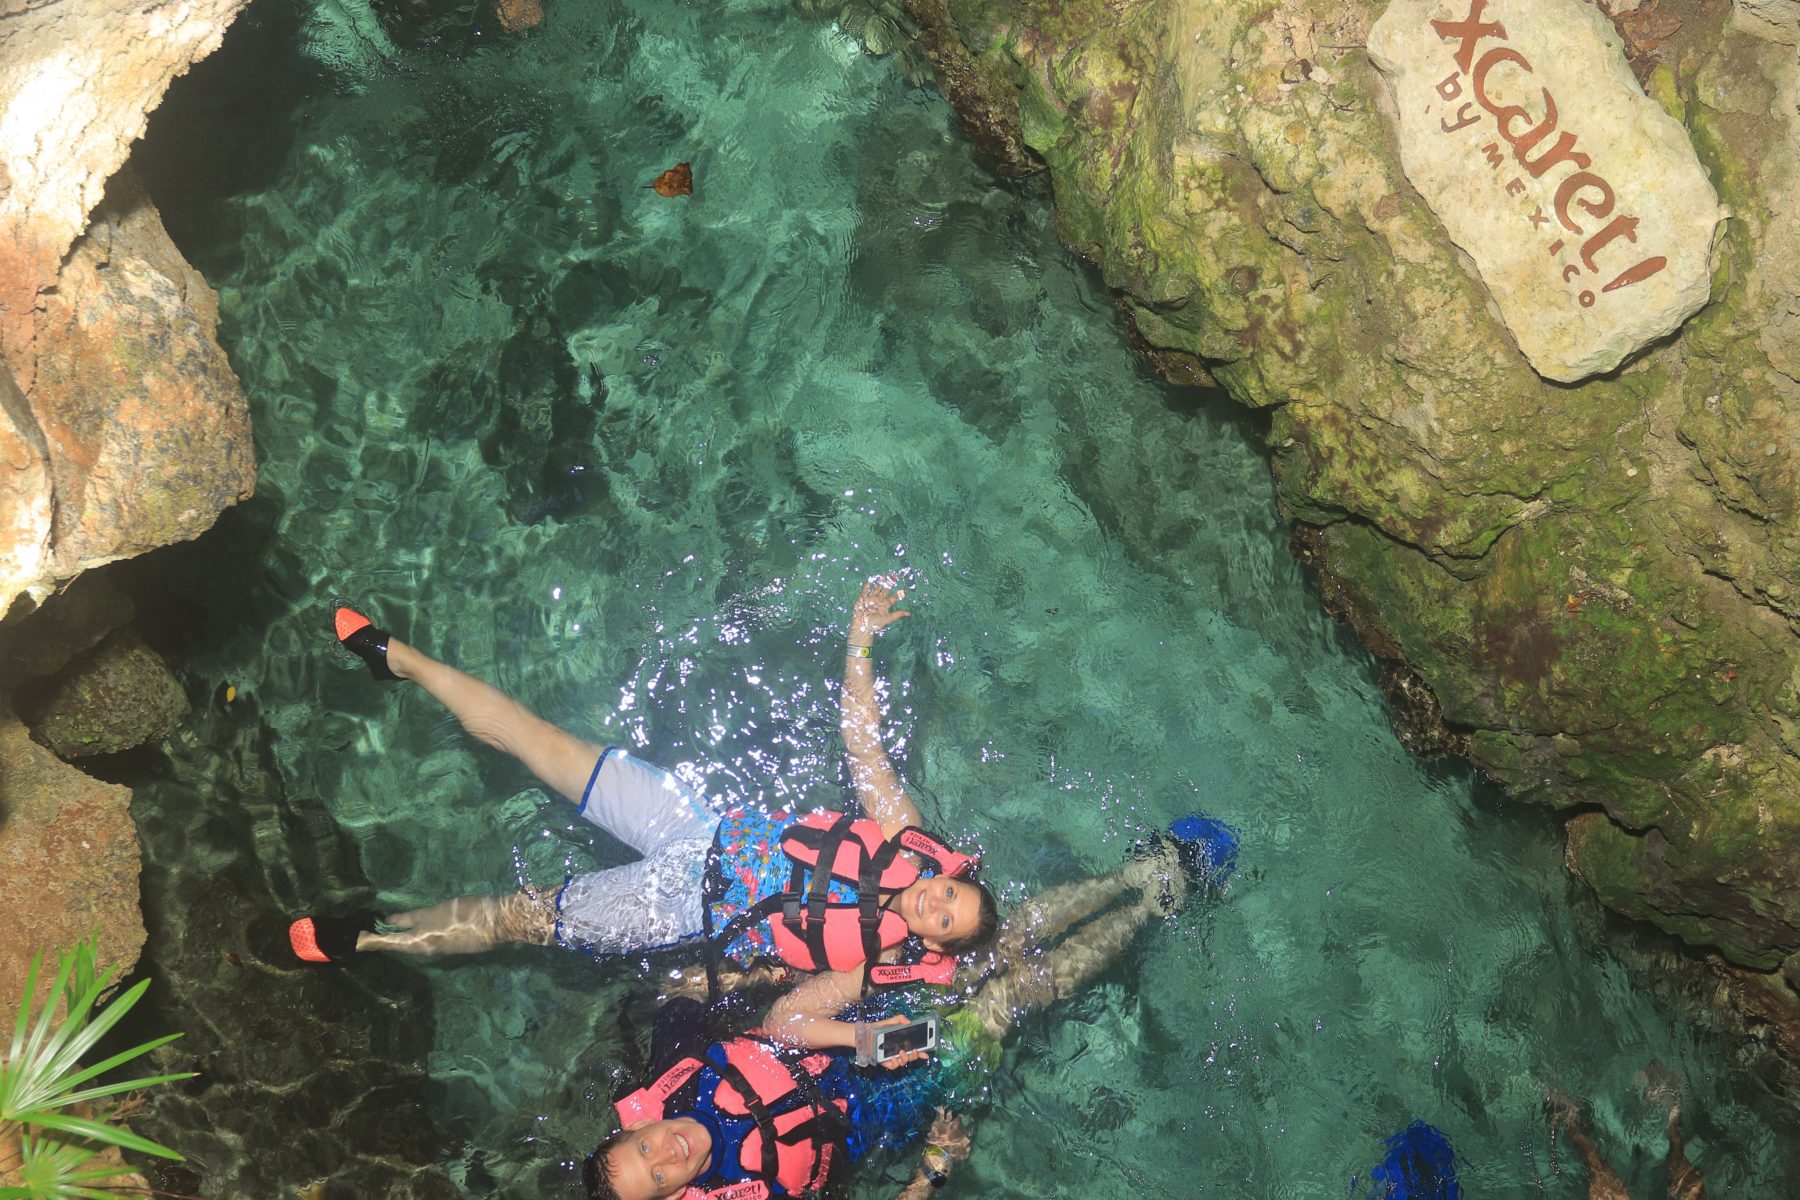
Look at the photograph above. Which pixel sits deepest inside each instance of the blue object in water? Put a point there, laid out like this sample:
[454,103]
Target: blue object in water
[1420,1165]
[1208,847]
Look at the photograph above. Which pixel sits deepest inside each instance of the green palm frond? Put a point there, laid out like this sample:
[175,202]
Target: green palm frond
[42,1075]
[55,1170]
[84,973]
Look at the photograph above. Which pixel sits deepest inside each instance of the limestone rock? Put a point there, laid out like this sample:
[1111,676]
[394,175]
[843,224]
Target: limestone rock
[24,491]
[77,81]
[516,16]
[118,696]
[68,861]
[1580,201]
[1778,20]
[42,642]
[148,431]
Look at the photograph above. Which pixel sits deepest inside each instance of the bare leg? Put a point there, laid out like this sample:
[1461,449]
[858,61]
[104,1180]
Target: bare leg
[561,760]
[1685,1182]
[1054,911]
[1603,1184]
[691,981]
[466,925]
[1034,980]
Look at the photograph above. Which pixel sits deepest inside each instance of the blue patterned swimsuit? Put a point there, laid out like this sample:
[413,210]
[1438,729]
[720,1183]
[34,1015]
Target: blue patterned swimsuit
[755,866]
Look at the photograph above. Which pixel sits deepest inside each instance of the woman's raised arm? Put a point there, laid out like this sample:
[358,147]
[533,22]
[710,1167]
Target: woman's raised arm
[878,786]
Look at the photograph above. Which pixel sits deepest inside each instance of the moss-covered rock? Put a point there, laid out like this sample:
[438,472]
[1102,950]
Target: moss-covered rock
[1597,581]
[117,696]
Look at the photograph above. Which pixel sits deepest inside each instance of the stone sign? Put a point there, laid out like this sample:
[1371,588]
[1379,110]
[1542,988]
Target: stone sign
[1579,198]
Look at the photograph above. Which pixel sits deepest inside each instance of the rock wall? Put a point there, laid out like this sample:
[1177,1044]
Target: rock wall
[121,424]
[68,863]
[1593,568]
[122,429]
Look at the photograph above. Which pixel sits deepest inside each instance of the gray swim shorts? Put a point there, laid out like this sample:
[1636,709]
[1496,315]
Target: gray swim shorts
[654,902]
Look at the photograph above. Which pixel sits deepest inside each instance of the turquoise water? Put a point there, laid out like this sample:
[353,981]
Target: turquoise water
[628,457]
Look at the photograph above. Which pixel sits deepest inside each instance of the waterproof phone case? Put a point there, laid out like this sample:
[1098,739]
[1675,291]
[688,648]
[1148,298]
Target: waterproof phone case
[901,1039]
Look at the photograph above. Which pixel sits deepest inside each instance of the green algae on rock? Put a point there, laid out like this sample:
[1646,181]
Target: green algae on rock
[115,697]
[1596,581]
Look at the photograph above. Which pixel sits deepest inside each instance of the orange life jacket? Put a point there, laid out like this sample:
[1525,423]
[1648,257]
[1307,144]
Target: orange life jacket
[774,1132]
[811,932]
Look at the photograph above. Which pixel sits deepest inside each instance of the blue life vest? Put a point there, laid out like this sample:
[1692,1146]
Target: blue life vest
[777,1120]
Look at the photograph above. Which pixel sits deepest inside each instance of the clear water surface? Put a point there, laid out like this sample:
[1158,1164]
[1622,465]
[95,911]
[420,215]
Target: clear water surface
[629,456]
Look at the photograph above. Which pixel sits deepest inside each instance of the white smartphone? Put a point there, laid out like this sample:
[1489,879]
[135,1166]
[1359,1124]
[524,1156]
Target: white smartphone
[896,1040]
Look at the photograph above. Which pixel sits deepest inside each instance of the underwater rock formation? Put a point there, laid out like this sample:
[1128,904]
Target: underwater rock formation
[1596,575]
[118,696]
[80,675]
[68,849]
[121,425]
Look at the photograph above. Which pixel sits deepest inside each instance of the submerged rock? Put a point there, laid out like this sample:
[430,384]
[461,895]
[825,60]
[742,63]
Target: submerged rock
[68,849]
[516,16]
[1596,576]
[116,697]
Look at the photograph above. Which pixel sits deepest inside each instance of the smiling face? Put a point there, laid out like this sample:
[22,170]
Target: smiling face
[940,909]
[658,1159]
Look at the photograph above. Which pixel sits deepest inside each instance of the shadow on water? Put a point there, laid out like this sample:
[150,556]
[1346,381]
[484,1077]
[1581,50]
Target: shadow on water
[302,1074]
[245,95]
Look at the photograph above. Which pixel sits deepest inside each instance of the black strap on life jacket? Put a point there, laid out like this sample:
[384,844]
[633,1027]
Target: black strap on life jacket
[824,1127]
[813,893]
[871,867]
[759,1113]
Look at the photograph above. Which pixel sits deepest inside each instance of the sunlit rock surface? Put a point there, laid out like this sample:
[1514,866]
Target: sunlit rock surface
[121,425]
[1588,217]
[1599,582]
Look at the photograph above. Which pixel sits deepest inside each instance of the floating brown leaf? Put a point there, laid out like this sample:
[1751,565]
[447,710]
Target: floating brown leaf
[678,180]
[516,16]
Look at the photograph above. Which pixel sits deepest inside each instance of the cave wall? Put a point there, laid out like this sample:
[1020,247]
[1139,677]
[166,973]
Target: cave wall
[1595,570]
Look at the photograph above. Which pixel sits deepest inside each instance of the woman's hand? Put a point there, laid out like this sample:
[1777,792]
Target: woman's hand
[875,610]
[865,1044]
